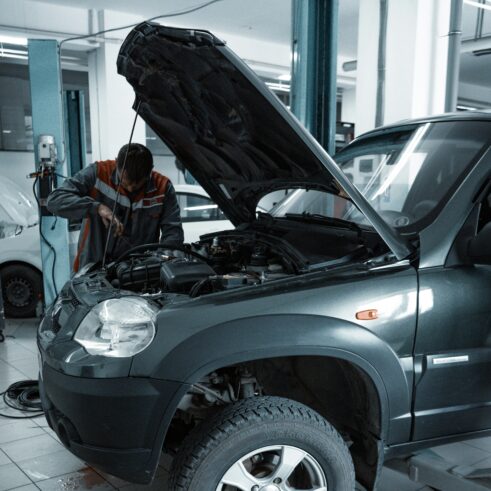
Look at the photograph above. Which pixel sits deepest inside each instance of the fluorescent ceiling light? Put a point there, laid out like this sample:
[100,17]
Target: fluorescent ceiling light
[278,87]
[475,3]
[286,77]
[13,40]
[10,55]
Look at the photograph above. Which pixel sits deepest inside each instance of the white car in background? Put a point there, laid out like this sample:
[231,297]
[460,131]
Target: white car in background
[199,214]
[20,254]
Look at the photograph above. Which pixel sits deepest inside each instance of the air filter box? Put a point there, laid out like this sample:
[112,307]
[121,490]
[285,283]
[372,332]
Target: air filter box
[180,274]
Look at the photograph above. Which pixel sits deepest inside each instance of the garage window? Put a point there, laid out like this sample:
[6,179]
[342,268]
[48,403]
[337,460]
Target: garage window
[15,105]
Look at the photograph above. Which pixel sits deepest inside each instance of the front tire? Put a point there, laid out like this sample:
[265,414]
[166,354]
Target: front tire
[263,443]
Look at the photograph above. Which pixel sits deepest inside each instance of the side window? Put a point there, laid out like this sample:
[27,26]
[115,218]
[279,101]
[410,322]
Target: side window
[485,212]
[195,208]
[480,216]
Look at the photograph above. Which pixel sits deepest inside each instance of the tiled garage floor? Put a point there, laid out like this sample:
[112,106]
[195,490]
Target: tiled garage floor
[32,458]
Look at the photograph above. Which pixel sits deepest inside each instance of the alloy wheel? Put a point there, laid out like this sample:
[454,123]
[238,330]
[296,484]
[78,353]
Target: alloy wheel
[275,468]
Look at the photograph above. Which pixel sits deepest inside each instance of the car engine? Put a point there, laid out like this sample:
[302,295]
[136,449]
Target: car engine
[214,265]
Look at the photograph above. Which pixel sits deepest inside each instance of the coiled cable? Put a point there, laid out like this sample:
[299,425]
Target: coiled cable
[23,396]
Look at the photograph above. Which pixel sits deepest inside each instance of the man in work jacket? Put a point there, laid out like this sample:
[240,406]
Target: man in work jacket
[146,211]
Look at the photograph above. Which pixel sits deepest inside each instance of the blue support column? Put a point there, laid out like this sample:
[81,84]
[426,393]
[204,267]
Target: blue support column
[314,67]
[47,119]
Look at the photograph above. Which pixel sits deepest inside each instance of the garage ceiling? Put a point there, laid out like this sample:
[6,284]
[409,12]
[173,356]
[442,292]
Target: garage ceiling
[266,20]
[271,21]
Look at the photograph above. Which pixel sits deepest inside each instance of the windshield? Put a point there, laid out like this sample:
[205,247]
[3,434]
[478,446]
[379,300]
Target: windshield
[406,174]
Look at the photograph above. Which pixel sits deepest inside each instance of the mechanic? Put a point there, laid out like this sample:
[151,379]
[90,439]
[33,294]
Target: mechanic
[147,209]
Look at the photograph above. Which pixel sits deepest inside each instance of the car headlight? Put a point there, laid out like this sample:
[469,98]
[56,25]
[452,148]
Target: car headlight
[119,327]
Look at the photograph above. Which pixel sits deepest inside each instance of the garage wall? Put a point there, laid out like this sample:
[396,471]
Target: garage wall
[475,95]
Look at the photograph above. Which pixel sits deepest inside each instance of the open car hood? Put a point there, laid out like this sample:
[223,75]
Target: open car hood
[226,127]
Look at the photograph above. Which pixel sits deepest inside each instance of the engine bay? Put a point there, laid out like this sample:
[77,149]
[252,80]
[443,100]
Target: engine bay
[234,259]
[210,266]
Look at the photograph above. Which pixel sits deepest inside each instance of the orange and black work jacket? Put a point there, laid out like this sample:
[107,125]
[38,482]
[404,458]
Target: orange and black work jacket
[152,215]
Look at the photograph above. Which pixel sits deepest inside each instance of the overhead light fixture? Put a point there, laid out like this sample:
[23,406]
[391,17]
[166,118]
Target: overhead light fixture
[350,66]
[19,54]
[13,40]
[482,52]
[278,87]
[10,55]
[285,77]
[461,107]
[475,3]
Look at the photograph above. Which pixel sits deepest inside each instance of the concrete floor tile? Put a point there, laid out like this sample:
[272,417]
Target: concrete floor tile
[28,366]
[482,443]
[160,476]
[113,480]
[11,351]
[87,479]
[12,477]
[18,430]
[459,453]
[28,487]
[31,448]
[158,484]
[391,480]
[4,459]
[41,421]
[51,465]
[28,343]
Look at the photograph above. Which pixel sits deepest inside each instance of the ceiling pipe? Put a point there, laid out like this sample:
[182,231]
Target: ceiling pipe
[453,59]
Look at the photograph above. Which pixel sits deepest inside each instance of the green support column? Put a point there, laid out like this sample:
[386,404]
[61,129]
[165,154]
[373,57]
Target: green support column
[314,67]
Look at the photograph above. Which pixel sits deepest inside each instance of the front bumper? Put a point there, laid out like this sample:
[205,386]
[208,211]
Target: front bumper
[116,424]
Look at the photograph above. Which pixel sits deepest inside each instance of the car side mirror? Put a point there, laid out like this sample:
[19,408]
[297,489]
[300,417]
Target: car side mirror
[480,246]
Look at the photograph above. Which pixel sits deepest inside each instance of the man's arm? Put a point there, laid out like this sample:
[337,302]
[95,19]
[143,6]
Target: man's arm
[72,200]
[170,220]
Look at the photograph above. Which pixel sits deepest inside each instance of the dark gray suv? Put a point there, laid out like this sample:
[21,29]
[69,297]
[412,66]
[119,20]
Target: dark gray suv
[349,323]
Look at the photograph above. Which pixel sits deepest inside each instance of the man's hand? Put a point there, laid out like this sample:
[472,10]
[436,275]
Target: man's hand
[107,217]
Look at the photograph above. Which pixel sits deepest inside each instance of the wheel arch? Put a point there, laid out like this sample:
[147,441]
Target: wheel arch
[265,337]
[285,335]
[304,337]
[16,262]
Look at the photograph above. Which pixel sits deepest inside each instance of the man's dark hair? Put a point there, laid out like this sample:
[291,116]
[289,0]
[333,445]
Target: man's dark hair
[139,162]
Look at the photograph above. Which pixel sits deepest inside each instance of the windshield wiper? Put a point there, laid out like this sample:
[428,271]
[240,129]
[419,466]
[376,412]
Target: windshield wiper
[314,217]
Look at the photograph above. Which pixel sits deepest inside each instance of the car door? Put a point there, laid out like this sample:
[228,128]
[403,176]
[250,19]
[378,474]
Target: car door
[453,341]
[200,215]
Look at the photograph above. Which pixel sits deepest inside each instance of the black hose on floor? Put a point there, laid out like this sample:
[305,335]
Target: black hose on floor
[23,396]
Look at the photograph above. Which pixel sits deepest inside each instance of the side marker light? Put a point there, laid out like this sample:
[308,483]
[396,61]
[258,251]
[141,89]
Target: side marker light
[367,315]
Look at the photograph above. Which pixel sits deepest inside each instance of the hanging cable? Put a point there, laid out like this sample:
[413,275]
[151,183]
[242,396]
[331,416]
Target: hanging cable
[162,16]
[43,237]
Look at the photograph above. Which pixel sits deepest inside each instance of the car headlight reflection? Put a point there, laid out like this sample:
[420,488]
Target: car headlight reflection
[119,327]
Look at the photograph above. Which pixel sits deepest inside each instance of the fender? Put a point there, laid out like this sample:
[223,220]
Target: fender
[236,341]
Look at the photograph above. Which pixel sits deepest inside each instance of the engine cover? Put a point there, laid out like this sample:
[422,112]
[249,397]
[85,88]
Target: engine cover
[180,274]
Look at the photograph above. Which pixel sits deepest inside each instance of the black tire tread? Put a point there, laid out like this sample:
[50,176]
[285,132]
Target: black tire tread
[206,437]
[36,279]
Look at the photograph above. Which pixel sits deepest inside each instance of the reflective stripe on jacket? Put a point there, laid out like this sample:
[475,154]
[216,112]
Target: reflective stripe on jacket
[151,215]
